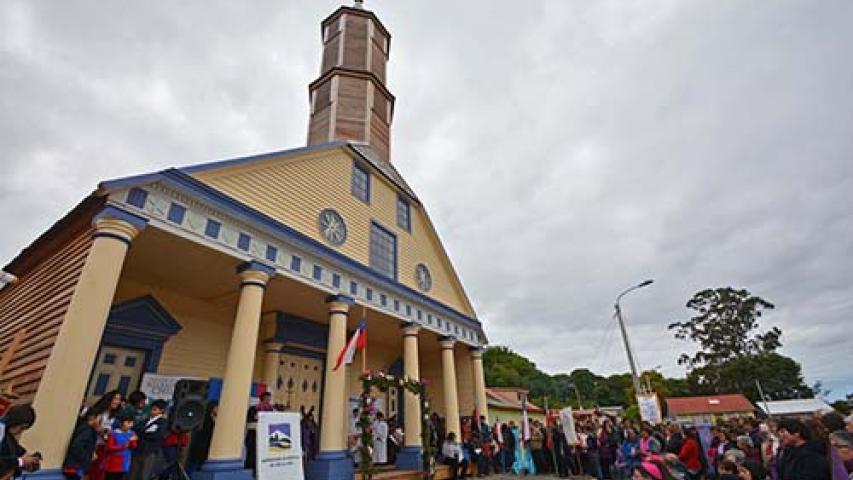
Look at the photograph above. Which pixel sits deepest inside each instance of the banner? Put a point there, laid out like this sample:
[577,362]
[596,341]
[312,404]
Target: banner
[279,446]
[160,387]
[649,408]
[568,421]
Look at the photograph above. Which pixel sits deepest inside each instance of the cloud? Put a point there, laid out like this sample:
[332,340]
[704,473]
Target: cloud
[565,150]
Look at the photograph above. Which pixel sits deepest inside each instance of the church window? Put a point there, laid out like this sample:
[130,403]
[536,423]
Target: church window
[383,299]
[137,197]
[318,272]
[176,213]
[397,305]
[404,219]
[420,315]
[244,241]
[336,280]
[353,288]
[295,263]
[383,251]
[272,253]
[369,294]
[360,184]
[408,310]
[211,229]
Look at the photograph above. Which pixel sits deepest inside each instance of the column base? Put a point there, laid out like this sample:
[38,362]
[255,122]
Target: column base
[410,458]
[330,466]
[47,474]
[222,470]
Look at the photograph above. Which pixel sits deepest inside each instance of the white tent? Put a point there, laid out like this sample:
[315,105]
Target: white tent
[806,406]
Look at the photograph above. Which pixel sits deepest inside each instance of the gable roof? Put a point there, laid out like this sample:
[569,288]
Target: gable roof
[509,398]
[708,404]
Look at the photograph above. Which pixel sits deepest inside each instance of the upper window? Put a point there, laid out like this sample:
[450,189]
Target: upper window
[137,197]
[176,213]
[360,184]
[404,219]
[383,251]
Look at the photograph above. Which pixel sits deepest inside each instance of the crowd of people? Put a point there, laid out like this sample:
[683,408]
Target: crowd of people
[130,438]
[819,448]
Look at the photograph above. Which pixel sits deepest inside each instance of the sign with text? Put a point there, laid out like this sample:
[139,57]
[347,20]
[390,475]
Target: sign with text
[649,408]
[279,446]
[568,421]
[160,387]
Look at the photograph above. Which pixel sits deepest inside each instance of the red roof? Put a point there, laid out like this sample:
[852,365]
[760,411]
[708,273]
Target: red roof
[509,398]
[709,404]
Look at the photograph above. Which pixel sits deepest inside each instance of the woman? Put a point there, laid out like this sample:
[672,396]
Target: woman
[651,471]
[691,454]
[106,409]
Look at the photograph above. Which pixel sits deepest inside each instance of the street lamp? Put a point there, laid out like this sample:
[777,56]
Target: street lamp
[634,378]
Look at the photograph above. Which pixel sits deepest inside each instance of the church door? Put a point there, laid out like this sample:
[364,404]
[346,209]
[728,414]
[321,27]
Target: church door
[116,368]
[301,382]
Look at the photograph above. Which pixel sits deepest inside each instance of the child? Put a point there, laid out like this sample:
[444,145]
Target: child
[149,459]
[81,451]
[119,443]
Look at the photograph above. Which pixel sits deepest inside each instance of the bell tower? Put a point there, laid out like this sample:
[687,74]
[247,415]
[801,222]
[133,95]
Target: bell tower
[349,101]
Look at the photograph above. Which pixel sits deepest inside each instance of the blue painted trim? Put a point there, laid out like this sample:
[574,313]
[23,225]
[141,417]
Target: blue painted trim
[111,211]
[231,469]
[330,466]
[182,182]
[446,338]
[410,458]
[475,349]
[46,474]
[340,299]
[255,265]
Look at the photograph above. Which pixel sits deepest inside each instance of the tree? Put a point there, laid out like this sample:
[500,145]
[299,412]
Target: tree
[780,376]
[724,327]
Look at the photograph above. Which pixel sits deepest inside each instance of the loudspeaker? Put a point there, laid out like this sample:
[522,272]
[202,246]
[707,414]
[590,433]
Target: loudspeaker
[189,399]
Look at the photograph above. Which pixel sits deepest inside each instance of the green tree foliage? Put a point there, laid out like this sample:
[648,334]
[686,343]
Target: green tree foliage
[732,353]
[780,376]
[724,327]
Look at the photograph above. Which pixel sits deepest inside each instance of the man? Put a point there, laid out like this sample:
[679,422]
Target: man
[801,459]
[452,452]
[13,457]
[842,440]
[674,439]
[380,440]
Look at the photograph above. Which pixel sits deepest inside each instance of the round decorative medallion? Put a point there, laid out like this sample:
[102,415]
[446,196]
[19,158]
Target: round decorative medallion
[332,227]
[423,277]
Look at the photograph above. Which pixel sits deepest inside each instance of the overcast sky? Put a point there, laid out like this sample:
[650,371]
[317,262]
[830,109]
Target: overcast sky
[565,149]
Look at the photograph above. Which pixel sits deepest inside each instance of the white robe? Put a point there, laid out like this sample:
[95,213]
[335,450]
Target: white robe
[380,442]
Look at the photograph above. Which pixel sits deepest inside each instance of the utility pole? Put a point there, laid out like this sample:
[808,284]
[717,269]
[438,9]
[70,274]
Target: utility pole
[638,388]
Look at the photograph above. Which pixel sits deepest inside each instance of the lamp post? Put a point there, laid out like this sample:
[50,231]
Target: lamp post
[634,378]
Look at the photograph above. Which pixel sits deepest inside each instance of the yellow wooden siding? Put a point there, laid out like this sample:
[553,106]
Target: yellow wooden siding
[295,189]
[201,347]
[429,363]
[39,303]
[464,380]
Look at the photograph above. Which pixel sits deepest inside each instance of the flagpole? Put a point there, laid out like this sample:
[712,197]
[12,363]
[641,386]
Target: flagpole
[364,350]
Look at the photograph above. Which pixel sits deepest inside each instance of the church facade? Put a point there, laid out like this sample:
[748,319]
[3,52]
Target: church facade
[252,271]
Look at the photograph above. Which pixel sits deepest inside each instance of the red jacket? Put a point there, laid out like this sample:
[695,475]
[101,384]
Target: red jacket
[117,449]
[689,454]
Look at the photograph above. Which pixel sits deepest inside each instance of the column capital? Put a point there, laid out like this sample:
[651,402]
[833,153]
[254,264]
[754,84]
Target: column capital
[476,352]
[345,299]
[410,328]
[272,346]
[446,341]
[254,274]
[116,223]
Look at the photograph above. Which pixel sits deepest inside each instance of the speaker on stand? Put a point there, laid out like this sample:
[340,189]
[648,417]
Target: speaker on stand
[189,403]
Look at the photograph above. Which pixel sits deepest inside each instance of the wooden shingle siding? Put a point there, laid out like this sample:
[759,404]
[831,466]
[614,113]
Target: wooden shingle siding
[38,302]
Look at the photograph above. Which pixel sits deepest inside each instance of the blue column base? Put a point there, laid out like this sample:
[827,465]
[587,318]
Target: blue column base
[410,458]
[330,466]
[222,470]
[46,474]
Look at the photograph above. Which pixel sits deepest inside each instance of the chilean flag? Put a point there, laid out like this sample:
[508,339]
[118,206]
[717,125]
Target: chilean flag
[357,342]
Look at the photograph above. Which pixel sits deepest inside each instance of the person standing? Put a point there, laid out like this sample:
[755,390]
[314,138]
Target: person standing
[380,440]
[149,460]
[691,455]
[13,457]
[536,444]
[674,439]
[250,441]
[119,444]
[106,408]
[508,446]
[801,458]
[81,450]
